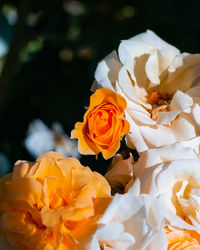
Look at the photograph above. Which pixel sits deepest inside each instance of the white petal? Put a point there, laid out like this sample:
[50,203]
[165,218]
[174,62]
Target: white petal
[180,130]
[142,81]
[154,211]
[148,180]
[157,63]
[170,212]
[151,38]
[165,154]
[133,187]
[113,234]
[169,59]
[140,117]
[196,113]
[134,138]
[180,101]
[177,171]
[158,136]
[166,117]
[177,62]
[132,104]
[130,50]
[107,71]
[121,208]
[160,181]
[152,69]
[127,87]
[193,143]
[184,78]
[159,241]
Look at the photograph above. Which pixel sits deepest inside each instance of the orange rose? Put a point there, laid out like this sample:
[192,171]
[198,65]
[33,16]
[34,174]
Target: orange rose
[103,125]
[182,239]
[53,203]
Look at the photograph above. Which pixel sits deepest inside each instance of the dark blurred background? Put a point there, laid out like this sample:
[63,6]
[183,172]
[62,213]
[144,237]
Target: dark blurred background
[49,51]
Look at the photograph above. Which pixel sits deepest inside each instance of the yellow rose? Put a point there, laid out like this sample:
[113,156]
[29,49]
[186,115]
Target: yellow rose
[103,125]
[53,203]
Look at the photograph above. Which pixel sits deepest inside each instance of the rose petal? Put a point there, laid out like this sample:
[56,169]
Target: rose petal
[166,117]
[180,101]
[180,130]
[107,70]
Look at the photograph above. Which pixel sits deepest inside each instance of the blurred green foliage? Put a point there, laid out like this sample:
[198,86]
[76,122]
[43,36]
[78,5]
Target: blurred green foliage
[54,48]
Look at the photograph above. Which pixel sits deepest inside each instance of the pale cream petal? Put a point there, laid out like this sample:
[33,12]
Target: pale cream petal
[113,236]
[142,81]
[127,85]
[151,38]
[132,104]
[164,154]
[140,118]
[180,101]
[133,187]
[166,117]
[179,170]
[158,136]
[122,208]
[196,113]
[180,130]
[159,241]
[163,182]
[107,71]
[141,228]
[183,129]
[152,69]
[184,78]
[193,143]
[134,138]
[158,62]
[177,62]
[154,211]
[168,59]
[130,50]
[170,213]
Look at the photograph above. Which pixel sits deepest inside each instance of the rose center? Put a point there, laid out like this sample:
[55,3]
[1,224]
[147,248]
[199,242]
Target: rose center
[103,122]
[159,102]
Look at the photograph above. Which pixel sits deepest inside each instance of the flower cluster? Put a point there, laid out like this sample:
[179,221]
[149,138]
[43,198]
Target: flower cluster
[161,87]
[149,93]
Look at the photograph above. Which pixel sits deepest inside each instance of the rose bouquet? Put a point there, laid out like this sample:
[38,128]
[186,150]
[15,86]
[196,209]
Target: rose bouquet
[149,93]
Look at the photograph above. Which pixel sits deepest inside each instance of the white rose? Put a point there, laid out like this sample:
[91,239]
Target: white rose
[131,223]
[172,175]
[161,87]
